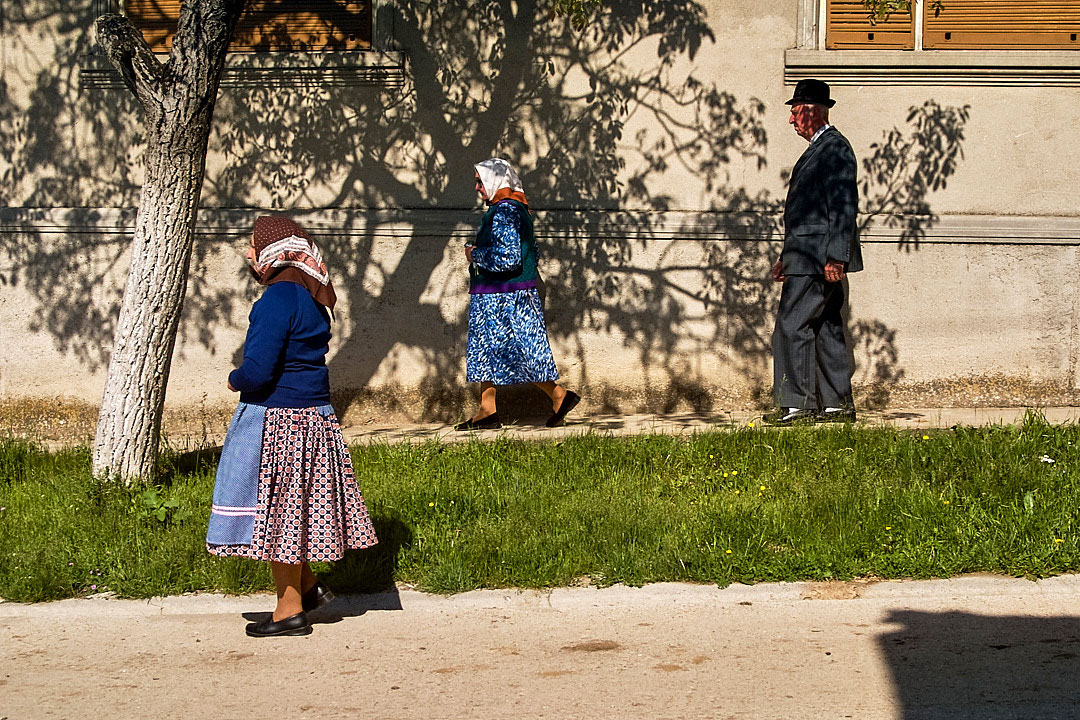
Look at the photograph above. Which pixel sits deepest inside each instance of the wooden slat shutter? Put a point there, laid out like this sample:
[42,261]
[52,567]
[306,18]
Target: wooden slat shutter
[269,24]
[848,26]
[156,19]
[1003,24]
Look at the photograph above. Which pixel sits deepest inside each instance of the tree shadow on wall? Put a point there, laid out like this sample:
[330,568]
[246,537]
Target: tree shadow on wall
[504,80]
[904,168]
[596,137]
[963,665]
[75,149]
[895,184]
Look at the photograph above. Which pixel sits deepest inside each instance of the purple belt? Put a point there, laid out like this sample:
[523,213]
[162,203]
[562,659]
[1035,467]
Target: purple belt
[488,288]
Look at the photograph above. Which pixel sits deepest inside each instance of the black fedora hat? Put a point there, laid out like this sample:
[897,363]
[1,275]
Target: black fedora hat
[811,91]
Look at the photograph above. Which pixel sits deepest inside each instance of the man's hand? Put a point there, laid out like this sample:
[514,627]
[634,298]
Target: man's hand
[778,271]
[231,388]
[834,271]
[468,253]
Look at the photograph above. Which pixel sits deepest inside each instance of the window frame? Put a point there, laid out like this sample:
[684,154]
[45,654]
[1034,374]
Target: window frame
[380,37]
[1001,68]
[380,65]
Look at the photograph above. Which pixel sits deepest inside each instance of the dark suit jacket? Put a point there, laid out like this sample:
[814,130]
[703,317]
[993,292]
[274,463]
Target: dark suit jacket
[819,215]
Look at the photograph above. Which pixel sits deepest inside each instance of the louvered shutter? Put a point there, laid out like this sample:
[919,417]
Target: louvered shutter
[848,26]
[269,24]
[1003,24]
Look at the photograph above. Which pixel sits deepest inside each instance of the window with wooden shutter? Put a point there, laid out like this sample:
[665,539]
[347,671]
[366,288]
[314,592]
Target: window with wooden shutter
[268,25]
[848,26]
[1003,24]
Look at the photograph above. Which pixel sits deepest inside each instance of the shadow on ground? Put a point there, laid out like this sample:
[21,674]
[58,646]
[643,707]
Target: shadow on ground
[364,579]
[963,665]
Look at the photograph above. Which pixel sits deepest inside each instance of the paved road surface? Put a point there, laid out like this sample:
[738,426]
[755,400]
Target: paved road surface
[976,647]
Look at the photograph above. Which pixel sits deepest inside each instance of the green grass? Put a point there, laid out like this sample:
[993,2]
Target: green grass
[744,505]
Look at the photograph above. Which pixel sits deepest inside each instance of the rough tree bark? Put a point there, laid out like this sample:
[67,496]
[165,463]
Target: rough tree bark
[178,98]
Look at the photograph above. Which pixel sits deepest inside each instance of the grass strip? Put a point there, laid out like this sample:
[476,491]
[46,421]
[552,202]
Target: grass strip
[740,505]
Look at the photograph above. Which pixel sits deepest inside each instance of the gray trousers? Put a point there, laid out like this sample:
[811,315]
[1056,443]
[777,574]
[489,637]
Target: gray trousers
[811,365]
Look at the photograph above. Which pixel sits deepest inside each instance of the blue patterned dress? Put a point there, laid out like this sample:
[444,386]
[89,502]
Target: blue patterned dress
[508,341]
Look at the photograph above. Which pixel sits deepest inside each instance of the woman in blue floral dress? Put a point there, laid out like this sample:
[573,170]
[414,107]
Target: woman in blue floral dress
[508,341]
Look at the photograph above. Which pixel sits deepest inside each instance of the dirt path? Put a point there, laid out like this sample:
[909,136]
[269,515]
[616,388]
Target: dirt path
[973,647]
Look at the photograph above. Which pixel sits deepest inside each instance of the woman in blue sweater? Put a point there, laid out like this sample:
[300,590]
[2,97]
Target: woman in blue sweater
[508,341]
[285,490]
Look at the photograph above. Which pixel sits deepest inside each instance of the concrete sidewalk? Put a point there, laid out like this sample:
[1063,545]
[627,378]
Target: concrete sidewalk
[636,424]
[980,647]
[676,423]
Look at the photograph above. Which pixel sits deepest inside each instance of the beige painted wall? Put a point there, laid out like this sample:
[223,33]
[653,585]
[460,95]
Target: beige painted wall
[655,289]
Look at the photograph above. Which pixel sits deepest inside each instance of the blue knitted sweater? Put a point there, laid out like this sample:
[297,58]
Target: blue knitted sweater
[285,350]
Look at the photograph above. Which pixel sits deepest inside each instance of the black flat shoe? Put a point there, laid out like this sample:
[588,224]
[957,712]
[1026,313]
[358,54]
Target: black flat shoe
[316,596]
[491,422]
[569,402]
[296,625]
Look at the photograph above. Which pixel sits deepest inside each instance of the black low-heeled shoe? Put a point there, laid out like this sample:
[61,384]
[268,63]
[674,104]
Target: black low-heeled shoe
[569,402]
[491,422]
[316,596]
[295,625]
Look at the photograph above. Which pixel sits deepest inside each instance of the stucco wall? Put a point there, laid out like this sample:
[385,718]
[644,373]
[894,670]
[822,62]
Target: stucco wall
[657,196]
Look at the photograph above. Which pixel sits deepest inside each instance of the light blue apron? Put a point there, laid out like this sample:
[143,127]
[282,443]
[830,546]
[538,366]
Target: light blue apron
[236,486]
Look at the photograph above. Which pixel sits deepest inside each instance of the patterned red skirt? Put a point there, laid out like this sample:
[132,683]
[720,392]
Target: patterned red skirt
[309,504]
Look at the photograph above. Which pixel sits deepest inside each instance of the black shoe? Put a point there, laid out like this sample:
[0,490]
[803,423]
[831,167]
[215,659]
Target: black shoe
[316,596]
[843,415]
[296,625]
[491,422]
[569,402]
[784,416]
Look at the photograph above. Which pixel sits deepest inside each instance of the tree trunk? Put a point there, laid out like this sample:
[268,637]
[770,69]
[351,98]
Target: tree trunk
[178,101]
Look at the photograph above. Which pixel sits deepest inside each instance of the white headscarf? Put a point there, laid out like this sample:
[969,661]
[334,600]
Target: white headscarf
[496,174]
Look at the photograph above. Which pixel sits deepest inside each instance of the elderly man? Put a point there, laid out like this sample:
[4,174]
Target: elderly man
[811,365]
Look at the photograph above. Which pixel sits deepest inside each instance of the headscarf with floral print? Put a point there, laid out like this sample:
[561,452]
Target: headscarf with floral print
[285,252]
[500,181]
